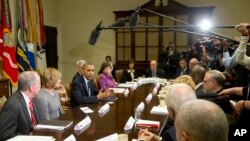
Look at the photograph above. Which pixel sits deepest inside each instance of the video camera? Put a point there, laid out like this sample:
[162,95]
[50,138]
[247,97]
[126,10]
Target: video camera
[209,44]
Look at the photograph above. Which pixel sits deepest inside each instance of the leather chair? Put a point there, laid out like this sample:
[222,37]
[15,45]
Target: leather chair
[65,96]
[118,75]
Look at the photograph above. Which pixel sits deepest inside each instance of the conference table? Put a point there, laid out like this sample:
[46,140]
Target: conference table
[113,121]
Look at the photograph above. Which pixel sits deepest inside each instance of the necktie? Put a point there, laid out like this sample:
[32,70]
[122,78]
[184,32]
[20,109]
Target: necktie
[154,73]
[33,119]
[88,86]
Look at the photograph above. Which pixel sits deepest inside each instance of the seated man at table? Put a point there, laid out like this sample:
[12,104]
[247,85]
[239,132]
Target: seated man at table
[84,90]
[153,71]
[19,114]
[198,120]
[178,94]
[79,65]
[213,84]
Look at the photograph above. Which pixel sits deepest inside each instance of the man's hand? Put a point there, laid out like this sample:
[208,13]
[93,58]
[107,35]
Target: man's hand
[103,94]
[145,135]
[242,28]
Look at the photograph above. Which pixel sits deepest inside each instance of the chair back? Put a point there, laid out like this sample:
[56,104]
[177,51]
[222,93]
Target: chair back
[118,75]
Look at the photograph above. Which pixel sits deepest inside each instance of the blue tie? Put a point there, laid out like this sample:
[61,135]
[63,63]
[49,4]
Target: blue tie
[88,86]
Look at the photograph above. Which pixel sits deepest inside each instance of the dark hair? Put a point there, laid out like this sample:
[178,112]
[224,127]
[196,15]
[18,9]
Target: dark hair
[131,61]
[104,65]
[108,57]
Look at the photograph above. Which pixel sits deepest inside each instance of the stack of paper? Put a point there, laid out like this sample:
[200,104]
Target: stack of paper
[31,138]
[70,138]
[132,86]
[118,90]
[147,124]
[156,110]
[113,137]
[54,124]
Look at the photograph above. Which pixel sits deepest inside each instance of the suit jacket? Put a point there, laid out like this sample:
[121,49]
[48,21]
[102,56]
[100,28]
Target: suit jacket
[159,72]
[79,92]
[178,72]
[76,76]
[169,134]
[213,97]
[15,118]
[199,89]
[127,77]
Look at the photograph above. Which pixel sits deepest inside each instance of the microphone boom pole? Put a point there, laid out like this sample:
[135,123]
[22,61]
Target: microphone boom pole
[191,25]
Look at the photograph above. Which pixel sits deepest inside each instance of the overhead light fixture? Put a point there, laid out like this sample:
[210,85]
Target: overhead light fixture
[205,25]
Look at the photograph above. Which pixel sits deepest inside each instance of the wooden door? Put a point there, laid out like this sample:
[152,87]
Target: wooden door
[51,46]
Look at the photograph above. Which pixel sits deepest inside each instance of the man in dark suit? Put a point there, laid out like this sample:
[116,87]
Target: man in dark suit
[183,68]
[153,71]
[79,65]
[18,115]
[197,74]
[177,95]
[213,84]
[84,90]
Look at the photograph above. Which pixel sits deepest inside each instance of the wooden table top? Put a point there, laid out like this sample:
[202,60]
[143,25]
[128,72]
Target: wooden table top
[113,121]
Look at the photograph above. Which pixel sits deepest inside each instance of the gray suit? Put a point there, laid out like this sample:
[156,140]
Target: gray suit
[15,118]
[49,107]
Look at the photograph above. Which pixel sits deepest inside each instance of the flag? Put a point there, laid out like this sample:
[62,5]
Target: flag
[1,43]
[9,50]
[22,60]
[41,40]
[10,69]
[31,40]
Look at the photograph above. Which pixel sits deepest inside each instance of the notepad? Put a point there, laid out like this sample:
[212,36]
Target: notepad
[112,137]
[31,138]
[157,110]
[54,124]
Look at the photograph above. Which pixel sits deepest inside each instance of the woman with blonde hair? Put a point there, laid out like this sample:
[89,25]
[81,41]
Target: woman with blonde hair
[48,101]
[185,79]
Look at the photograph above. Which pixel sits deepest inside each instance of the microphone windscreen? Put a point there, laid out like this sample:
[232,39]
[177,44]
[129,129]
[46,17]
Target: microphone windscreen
[95,34]
[134,19]
[93,37]
[120,22]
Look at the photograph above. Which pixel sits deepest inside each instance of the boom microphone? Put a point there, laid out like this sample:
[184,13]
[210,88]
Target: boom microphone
[120,22]
[134,19]
[95,34]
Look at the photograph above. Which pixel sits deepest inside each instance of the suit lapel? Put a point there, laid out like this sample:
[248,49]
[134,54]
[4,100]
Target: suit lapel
[25,110]
[84,86]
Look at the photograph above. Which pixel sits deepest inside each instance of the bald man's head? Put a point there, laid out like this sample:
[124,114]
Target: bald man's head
[201,120]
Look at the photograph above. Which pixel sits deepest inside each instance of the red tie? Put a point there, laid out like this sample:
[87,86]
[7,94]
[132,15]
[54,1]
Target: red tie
[33,119]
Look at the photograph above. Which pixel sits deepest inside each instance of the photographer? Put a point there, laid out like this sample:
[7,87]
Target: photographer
[169,60]
[211,53]
[241,56]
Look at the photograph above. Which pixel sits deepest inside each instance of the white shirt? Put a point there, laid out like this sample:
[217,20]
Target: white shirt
[27,101]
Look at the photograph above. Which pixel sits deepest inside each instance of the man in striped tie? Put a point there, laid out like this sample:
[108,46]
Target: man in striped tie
[19,114]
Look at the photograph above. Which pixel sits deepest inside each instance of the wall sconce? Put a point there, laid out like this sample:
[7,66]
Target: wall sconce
[161,2]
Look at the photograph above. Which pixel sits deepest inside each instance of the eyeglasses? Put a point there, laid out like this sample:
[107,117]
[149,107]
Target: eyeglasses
[206,81]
